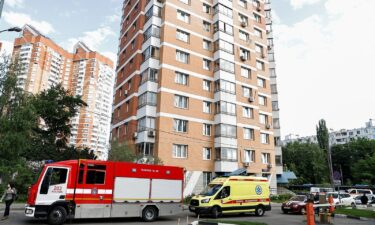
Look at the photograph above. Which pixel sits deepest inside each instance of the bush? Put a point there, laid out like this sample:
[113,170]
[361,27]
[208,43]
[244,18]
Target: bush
[281,198]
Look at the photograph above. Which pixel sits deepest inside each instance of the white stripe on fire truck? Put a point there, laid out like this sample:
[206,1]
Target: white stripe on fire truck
[89,191]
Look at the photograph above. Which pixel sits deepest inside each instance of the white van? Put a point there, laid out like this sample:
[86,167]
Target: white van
[356,192]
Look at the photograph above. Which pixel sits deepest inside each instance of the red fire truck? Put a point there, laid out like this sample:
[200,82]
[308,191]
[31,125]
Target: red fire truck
[99,189]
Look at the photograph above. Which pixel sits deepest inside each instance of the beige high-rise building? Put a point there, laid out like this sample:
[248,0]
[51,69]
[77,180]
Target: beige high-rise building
[83,72]
[193,86]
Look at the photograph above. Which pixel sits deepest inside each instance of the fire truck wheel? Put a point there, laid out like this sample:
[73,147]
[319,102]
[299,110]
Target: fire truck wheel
[149,214]
[259,211]
[216,212]
[57,216]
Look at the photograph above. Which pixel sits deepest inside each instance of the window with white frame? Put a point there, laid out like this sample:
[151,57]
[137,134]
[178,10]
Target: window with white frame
[264,138]
[206,8]
[245,72]
[219,8]
[180,125]
[266,158]
[225,108]
[226,154]
[224,27]
[206,85]
[206,153]
[206,64]
[247,112]
[182,78]
[249,155]
[258,32]
[244,54]
[248,133]
[226,130]
[206,26]
[243,19]
[206,107]
[261,82]
[207,129]
[259,65]
[181,101]
[183,16]
[224,46]
[182,56]
[207,45]
[244,36]
[257,18]
[183,36]
[242,3]
[258,48]
[246,91]
[180,151]
[262,100]
[263,119]
[185,1]
[225,86]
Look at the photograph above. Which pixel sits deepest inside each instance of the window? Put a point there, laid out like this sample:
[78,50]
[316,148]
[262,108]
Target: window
[206,85]
[242,3]
[206,8]
[145,149]
[244,54]
[226,154]
[147,98]
[53,176]
[248,133]
[263,119]
[247,112]
[180,125]
[182,36]
[225,86]
[181,78]
[258,33]
[225,108]
[185,1]
[264,138]
[244,36]
[245,72]
[273,88]
[151,51]
[181,101]
[226,130]
[182,56]
[149,74]
[275,105]
[146,123]
[224,46]
[261,82]
[207,129]
[219,8]
[207,177]
[153,11]
[262,100]
[222,64]
[206,107]
[276,123]
[224,27]
[249,155]
[266,158]
[247,92]
[180,151]
[95,174]
[183,16]
[206,153]
[206,26]
[257,18]
[206,64]
[243,20]
[207,45]
[260,65]
[134,25]
[259,48]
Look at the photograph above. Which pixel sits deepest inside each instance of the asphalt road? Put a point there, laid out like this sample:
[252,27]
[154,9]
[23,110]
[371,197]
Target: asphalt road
[275,217]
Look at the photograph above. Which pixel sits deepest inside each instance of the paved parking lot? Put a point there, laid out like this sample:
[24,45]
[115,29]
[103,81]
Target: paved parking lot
[275,217]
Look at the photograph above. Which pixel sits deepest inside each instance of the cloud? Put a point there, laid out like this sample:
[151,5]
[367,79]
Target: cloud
[15,3]
[20,19]
[93,39]
[112,56]
[298,4]
[324,67]
[6,48]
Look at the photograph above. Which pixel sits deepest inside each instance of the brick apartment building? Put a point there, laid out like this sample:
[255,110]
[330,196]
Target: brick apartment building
[193,86]
[83,72]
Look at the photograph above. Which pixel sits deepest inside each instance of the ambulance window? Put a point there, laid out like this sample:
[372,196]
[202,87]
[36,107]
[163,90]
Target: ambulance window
[95,174]
[224,193]
[58,176]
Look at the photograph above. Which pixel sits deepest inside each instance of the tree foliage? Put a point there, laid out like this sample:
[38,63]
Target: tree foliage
[121,152]
[322,134]
[307,161]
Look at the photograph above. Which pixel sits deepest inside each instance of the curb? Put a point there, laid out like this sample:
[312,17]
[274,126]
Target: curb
[354,217]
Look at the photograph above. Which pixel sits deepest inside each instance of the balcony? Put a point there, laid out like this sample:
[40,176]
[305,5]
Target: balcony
[144,136]
[225,166]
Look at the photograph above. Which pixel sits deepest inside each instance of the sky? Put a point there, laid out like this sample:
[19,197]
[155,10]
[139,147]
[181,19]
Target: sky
[323,48]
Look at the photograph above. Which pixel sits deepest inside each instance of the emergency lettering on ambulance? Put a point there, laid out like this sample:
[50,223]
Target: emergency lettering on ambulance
[233,194]
[98,189]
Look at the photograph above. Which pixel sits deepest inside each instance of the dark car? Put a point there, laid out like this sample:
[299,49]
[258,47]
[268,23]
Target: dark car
[296,204]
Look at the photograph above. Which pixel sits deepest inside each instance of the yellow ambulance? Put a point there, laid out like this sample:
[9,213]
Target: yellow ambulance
[234,194]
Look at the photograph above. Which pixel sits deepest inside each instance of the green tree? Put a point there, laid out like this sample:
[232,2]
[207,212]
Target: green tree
[307,161]
[121,152]
[323,139]
[363,170]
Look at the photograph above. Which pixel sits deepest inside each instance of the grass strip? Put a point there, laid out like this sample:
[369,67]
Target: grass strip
[356,212]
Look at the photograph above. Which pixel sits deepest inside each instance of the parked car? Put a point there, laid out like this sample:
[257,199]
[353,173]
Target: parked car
[355,192]
[341,198]
[371,199]
[296,204]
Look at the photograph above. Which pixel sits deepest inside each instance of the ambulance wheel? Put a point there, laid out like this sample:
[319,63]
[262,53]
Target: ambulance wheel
[259,211]
[57,216]
[149,214]
[215,212]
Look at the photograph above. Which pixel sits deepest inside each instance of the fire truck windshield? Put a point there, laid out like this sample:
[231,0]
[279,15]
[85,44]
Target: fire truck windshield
[211,189]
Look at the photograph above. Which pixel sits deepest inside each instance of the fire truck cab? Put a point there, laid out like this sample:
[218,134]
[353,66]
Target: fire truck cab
[98,189]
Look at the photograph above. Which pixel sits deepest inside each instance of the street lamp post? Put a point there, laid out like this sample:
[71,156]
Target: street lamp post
[12,29]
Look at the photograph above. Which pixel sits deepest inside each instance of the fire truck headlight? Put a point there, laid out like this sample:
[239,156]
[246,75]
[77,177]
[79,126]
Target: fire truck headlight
[207,200]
